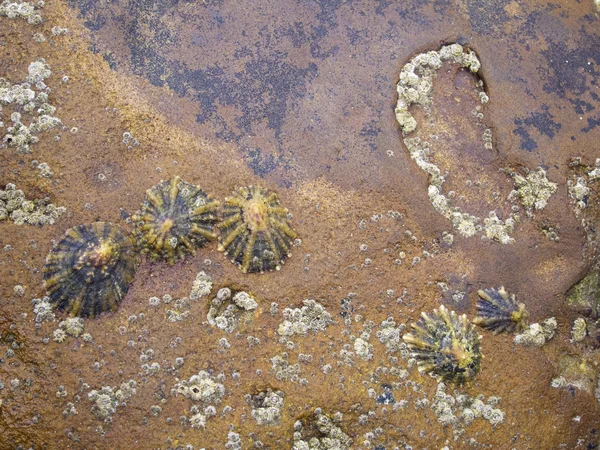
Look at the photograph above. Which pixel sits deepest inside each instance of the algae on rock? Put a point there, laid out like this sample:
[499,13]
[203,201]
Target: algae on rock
[584,296]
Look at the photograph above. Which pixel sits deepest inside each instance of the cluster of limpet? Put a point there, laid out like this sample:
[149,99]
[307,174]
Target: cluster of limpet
[175,219]
[445,345]
[499,312]
[90,269]
[254,230]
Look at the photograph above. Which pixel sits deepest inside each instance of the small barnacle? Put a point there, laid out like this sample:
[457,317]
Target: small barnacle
[59,335]
[499,312]
[175,219]
[198,420]
[255,233]
[579,330]
[445,345]
[73,326]
[89,271]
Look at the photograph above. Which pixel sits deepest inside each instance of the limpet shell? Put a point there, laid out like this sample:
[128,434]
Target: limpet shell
[175,220]
[254,230]
[90,269]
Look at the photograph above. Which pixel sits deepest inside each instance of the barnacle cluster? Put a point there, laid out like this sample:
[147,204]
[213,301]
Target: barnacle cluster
[180,309]
[228,309]
[43,169]
[584,296]
[445,345]
[362,347]
[391,336]
[497,229]
[416,80]
[321,432]
[90,269]
[415,88]
[267,406]
[537,334]
[311,317]
[533,190]
[579,330]
[254,230]
[201,388]
[202,286]
[42,308]
[175,219]
[16,207]
[461,409]
[23,10]
[499,312]
[584,191]
[25,101]
[107,399]
[283,370]
[579,191]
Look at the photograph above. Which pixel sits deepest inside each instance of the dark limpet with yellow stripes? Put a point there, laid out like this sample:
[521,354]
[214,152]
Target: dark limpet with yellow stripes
[445,345]
[500,312]
[254,230]
[90,269]
[175,219]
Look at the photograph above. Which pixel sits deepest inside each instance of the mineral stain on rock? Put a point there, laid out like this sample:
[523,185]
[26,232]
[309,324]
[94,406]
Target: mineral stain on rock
[542,122]
[263,87]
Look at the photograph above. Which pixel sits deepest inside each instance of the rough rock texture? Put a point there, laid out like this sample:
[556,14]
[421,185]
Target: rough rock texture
[299,97]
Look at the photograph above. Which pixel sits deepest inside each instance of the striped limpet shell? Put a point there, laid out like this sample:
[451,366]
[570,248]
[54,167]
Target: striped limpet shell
[175,220]
[254,230]
[90,269]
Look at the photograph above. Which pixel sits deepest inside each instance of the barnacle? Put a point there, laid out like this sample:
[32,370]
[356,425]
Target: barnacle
[89,271]
[445,345]
[255,233]
[499,312]
[175,219]
[579,330]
